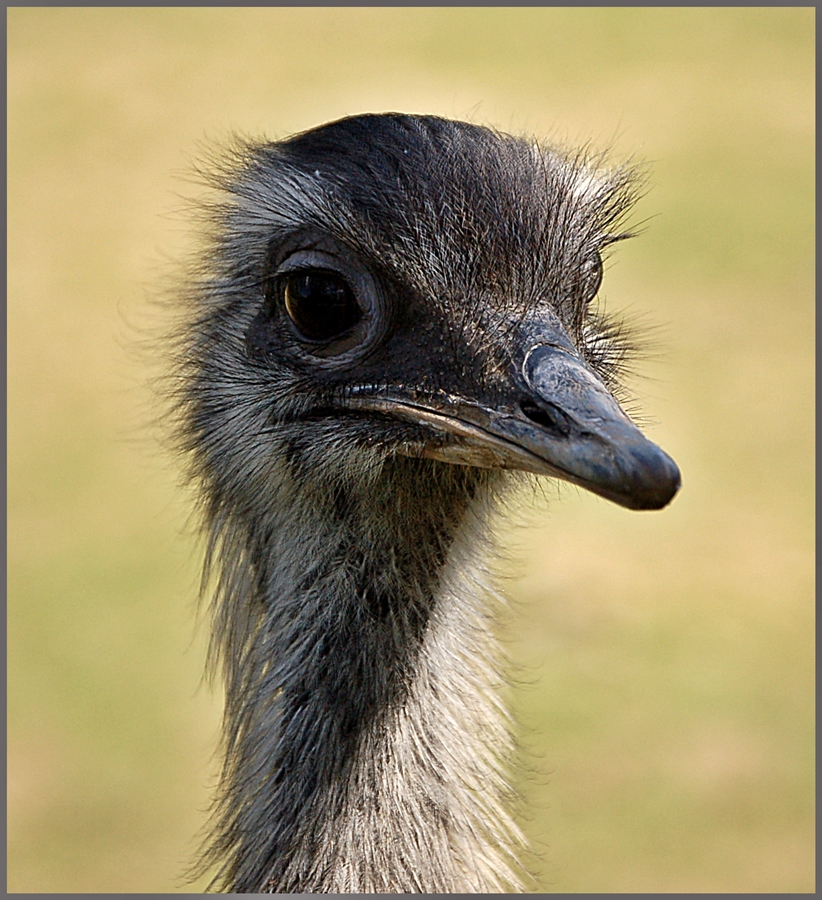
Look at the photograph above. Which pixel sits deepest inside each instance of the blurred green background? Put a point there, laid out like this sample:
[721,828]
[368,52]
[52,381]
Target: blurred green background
[664,663]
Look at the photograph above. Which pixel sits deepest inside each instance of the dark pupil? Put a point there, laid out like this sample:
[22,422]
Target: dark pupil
[321,306]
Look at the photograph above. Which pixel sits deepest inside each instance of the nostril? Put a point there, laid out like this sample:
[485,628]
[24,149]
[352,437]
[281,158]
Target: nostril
[547,415]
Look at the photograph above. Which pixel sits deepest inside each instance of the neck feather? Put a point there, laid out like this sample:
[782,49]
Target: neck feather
[364,742]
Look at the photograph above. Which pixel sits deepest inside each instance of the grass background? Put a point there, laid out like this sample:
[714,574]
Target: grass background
[665,686]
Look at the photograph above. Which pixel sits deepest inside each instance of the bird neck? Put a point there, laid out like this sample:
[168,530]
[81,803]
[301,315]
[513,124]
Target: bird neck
[363,737]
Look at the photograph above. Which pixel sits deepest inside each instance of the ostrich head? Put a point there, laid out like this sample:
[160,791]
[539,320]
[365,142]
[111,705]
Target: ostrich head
[393,311]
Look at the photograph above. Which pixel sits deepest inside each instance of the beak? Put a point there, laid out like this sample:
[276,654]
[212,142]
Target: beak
[576,428]
[561,421]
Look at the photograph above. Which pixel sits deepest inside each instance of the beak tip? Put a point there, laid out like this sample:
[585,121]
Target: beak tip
[657,479]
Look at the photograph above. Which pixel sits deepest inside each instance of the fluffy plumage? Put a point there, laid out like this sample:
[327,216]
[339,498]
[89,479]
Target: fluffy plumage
[347,475]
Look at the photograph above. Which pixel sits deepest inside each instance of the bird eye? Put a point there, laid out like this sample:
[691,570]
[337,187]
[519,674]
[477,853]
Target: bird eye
[591,276]
[321,305]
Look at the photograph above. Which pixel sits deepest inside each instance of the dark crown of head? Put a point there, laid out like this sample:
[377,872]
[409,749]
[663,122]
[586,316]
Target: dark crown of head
[459,212]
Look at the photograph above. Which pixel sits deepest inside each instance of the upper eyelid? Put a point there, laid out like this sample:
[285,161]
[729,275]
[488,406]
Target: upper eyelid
[325,262]
[310,270]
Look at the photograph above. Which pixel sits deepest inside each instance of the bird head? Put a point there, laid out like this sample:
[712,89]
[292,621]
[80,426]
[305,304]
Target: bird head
[391,286]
